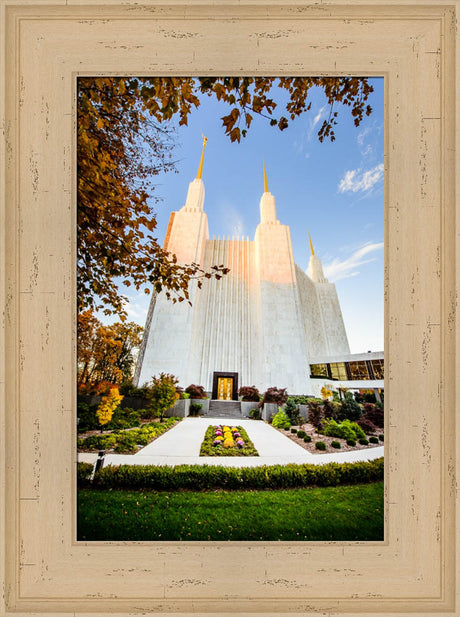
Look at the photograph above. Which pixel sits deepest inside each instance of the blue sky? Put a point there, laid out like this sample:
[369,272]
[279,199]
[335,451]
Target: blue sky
[334,190]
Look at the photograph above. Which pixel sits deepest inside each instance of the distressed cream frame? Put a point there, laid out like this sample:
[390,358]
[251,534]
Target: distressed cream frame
[47,45]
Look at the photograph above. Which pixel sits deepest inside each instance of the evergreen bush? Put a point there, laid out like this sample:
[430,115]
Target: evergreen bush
[351,442]
[349,409]
[281,420]
[373,440]
[291,409]
[381,437]
[293,430]
[301,434]
[320,445]
[307,439]
[344,430]
[205,477]
[195,409]
[254,414]
[335,444]
[364,442]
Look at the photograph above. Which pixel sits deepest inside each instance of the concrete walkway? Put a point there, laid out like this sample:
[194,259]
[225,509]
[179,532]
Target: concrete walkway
[181,446]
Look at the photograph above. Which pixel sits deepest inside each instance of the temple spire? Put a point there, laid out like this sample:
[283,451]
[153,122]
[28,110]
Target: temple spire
[200,168]
[265,179]
[311,245]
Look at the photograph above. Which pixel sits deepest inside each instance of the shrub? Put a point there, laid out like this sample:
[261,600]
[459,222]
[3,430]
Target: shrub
[292,412]
[315,413]
[303,399]
[99,442]
[330,409]
[205,477]
[127,389]
[254,414]
[349,409]
[301,434]
[307,439]
[374,414]
[87,419]
[281,420]
[320,445]
[195,409]
[373,440]
[344,430]
[367,426]
[124,418]
[249,393]
[195,391]
[381,437]
[286,428]
[293,430]
[163,394]
[351,442]
[274,395]
[364,442]
[336,444]
[369,397]
[84,472]
[107,406]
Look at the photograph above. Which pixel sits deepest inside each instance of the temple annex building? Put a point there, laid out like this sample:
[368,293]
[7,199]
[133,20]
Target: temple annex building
[266,323]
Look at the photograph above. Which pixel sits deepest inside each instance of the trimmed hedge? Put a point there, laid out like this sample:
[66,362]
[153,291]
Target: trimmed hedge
[204,477]
[320,445]
[84,471]
[307,438]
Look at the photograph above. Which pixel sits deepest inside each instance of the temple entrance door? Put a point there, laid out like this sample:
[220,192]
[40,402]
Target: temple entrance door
[224,388]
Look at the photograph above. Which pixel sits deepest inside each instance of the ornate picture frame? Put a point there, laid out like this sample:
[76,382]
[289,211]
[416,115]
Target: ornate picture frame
[48,44]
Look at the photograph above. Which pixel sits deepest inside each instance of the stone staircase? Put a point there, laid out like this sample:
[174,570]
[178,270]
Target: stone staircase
[224,409]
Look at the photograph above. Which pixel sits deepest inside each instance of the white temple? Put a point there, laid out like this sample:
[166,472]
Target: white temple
[258,325]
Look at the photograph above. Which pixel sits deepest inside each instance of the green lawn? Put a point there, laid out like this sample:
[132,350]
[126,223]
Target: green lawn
[331,513]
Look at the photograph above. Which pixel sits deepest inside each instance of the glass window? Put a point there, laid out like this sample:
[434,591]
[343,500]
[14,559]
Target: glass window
[319,370]
[377,367]
[358,370]
[338,371]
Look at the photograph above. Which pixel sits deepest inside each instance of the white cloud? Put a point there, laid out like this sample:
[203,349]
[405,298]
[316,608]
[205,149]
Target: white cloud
[363,134]
[315,121]
[355,181]
[341,269]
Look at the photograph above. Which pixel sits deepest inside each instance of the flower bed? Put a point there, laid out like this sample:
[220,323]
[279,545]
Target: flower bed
[224,440]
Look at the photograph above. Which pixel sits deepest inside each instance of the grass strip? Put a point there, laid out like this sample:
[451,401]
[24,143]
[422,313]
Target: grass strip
[308,514]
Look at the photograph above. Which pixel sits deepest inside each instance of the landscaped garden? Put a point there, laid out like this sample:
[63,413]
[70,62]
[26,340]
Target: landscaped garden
[126,441]
[331,425]
[223,440]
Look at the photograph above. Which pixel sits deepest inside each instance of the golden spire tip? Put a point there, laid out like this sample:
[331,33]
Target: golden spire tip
[265,178]
[311,245]
[200,167]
